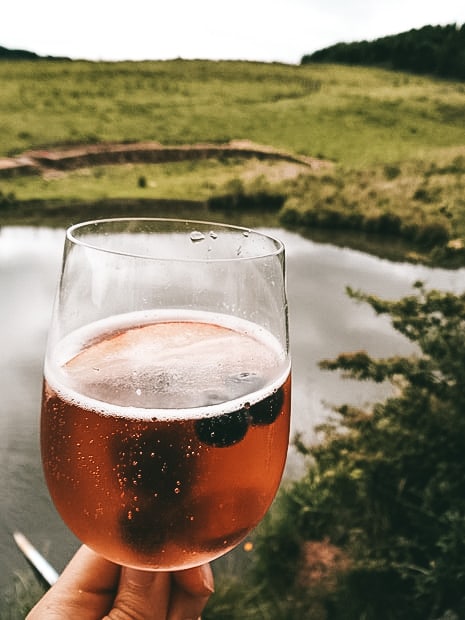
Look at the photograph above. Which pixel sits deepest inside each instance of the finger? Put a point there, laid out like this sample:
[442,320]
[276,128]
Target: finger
[197,581]
[185,606]
[87,586]
[142,595]
[190,592]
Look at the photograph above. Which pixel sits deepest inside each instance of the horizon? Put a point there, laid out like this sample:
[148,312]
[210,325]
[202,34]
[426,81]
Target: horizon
[279,31]
[77,59]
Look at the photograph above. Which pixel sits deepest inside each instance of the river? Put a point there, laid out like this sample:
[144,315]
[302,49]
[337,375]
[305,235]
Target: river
[323,322]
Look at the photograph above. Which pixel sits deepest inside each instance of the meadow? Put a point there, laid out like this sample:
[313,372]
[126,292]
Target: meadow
[395,141]
[353,116]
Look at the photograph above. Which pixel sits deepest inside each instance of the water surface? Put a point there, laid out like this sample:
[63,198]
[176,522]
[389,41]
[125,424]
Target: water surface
[323,320]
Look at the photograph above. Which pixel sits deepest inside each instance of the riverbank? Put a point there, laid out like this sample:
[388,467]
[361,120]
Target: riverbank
[410,212]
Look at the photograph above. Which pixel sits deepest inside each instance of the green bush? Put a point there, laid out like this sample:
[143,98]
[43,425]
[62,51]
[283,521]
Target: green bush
[257,196]
[7,199]
[387,484]
[432,234]
[391,171]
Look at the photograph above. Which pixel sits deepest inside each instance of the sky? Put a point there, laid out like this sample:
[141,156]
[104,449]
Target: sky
[262,30]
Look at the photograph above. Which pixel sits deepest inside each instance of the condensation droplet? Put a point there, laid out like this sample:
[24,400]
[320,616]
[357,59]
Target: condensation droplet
[246,233]
[196,236]
[213,235]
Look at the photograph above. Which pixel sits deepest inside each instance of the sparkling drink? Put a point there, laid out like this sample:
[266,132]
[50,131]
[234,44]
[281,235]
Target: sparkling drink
[164,436]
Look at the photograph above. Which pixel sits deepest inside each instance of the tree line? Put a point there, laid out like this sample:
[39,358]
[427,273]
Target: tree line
[18,54]
[432,50]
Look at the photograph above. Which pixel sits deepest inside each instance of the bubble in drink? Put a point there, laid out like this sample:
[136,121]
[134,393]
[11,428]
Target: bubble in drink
[164,441]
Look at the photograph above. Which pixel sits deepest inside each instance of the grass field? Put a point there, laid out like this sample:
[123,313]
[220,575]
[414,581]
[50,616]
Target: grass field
[397,141]
[354,116]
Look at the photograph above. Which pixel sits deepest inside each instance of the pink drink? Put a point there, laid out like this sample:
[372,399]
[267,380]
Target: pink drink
[164,441]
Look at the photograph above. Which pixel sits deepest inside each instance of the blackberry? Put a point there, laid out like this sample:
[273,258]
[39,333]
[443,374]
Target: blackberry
[223,430]
[266,411]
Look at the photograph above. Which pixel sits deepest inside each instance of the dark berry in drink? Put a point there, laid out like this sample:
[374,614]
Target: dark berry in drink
[266,411]
[139,528]
[224,430]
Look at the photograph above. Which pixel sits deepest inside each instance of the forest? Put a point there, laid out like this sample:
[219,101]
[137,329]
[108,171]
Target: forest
[431,50]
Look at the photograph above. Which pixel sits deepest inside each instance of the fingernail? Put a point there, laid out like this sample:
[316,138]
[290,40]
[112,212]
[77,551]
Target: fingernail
[207,577]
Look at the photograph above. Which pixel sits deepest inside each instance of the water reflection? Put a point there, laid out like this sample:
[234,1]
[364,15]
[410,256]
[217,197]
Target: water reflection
[324,322]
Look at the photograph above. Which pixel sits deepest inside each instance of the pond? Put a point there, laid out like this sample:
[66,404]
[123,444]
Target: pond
[323,320]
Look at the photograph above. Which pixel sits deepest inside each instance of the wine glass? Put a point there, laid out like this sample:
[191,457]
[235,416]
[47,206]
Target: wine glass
[166,399]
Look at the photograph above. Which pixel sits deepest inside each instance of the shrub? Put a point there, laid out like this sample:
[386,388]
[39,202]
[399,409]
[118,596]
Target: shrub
[389,223]
[391,171]
[257,201]
[7,200]
[427,195]
[387,484]
[257,195]
[432,234]
[290,216]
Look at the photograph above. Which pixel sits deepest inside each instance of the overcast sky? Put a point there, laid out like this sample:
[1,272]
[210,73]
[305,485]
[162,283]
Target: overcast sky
[264,30]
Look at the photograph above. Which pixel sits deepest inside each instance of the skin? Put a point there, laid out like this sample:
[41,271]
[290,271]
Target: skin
[92,588]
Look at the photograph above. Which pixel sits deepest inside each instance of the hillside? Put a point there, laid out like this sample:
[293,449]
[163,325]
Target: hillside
[432,50]
[395,142]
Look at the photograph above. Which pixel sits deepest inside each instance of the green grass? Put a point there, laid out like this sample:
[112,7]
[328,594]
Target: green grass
[397,140]
[421,201]
[193,180]
[355,116]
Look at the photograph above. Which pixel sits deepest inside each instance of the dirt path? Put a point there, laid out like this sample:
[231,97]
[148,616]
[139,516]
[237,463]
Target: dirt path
[45,161]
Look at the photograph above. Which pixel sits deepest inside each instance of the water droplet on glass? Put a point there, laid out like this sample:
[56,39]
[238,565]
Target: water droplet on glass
[196,236]
[213,235]
[246,233]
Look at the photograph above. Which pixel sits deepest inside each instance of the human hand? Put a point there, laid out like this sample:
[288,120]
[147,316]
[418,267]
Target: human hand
[92,588]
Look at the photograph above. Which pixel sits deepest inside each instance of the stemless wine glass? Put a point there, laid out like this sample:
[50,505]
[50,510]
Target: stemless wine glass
[166,401]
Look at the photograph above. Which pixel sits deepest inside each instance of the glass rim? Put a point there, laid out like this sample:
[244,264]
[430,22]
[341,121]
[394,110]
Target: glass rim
[277,249]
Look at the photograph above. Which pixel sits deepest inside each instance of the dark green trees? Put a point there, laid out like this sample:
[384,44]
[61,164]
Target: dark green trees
[433,50]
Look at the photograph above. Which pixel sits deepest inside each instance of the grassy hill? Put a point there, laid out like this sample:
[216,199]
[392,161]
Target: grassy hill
[354,116]
[396,141]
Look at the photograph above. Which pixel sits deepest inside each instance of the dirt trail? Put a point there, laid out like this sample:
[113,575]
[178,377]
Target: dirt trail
[65,158]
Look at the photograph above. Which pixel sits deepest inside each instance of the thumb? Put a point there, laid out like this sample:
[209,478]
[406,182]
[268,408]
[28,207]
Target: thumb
[142,595]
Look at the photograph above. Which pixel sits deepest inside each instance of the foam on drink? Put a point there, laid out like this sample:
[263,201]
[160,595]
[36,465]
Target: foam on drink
[140,361]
